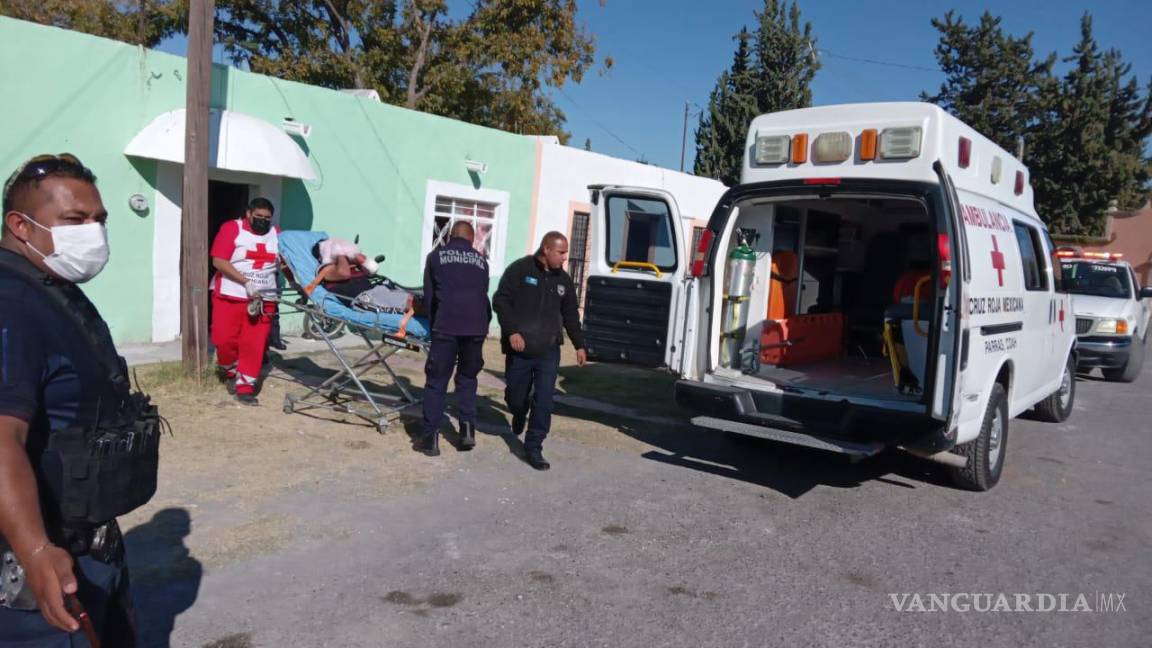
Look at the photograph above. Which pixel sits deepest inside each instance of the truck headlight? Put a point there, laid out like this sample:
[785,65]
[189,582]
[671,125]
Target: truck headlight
[1112,326]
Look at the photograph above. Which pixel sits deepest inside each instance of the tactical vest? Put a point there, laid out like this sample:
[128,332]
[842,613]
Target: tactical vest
[95,472]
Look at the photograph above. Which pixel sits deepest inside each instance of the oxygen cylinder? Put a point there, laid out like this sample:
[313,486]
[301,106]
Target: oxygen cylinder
[741,272]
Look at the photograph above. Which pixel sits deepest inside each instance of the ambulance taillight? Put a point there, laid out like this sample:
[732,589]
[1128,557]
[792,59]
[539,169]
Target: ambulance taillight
[944,249]
[700,258]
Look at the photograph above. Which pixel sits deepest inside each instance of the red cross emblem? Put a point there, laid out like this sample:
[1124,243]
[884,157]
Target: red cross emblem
[260,256]
[998,260]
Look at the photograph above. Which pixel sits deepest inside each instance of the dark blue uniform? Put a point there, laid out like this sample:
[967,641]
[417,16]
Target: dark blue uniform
[540,305]
[50,379]
[456,295]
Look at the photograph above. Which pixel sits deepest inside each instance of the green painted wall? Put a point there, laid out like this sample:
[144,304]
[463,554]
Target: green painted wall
[90,96]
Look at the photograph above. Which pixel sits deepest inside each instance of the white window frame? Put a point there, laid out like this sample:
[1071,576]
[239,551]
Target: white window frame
[499,236]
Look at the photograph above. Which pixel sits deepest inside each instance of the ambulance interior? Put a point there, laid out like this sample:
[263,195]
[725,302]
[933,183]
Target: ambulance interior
[833,298]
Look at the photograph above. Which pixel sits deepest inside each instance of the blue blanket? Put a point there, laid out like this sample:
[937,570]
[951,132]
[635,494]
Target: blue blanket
[296,249]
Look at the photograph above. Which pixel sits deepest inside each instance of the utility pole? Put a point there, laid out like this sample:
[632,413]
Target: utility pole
[684,137]
[194,217]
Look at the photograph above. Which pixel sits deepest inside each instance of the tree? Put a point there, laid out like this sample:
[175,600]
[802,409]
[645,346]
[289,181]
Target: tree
[1089,149]
[141,22]
[488,68]
[587,143]
[772,70]
[991,81]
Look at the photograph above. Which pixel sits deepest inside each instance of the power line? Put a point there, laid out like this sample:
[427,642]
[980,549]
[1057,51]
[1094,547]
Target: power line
[598,124]
[875,62]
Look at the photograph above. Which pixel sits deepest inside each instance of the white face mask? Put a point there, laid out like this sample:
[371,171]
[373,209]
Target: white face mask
[81,251]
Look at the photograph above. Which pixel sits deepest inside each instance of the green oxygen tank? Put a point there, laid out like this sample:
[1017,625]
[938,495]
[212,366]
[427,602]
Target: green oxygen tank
[741,272]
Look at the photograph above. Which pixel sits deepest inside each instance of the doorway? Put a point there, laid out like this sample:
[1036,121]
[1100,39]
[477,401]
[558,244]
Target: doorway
[226,201]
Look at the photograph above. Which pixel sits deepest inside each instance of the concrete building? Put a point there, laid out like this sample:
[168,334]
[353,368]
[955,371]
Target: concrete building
[397,178]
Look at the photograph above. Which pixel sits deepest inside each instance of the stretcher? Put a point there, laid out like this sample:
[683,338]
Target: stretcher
[384,335]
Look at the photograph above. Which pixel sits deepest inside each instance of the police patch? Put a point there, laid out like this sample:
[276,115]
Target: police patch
[560,289]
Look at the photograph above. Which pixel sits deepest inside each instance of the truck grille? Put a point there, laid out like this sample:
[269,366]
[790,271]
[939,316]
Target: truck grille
[1083,325]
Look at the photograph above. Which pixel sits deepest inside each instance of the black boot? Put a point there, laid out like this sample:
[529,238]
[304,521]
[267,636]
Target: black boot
[428,445]
[535,458]
[467,435]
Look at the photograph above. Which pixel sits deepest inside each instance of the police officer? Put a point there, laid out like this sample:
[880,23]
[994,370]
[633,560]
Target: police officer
[535,300]
[64,399]
[456,294]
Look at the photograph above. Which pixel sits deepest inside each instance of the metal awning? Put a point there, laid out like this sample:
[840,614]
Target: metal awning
[237,142]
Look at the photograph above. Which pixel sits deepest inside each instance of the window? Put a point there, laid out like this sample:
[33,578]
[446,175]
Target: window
[578,252]
[1032,263]
[450,211]
[640,230]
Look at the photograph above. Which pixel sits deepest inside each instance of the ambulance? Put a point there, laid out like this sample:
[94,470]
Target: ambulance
[879,278]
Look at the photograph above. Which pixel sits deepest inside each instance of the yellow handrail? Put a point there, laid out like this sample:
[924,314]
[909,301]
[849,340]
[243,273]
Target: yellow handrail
[641,265]
[916,306]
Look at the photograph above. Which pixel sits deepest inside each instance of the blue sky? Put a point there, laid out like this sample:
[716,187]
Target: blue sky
[667,52]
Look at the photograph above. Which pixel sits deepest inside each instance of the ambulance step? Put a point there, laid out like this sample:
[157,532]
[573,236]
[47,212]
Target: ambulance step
[792,438]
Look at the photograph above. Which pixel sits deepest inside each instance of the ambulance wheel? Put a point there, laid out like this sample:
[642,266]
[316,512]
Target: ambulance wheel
[986,452]
[1058,406]
[1131,369]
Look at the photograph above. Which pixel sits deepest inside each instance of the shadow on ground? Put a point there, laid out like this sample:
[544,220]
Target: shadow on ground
[165,577]
[789,470]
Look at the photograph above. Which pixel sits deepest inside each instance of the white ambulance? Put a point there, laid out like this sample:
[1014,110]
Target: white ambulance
[879,279]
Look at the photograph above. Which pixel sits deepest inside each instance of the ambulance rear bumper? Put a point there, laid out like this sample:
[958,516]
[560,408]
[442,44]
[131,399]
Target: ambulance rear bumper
[817,423]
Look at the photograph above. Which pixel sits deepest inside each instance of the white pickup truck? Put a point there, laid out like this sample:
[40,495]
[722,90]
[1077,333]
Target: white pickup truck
[1111,312]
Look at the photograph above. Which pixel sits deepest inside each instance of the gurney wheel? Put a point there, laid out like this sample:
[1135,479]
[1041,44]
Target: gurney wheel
[381,425]
[287,405]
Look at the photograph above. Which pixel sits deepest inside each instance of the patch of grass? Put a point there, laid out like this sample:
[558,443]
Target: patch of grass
[623,385]
[173,375]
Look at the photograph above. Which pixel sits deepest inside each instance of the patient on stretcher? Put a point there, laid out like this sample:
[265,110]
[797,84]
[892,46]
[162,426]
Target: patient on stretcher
[346,271]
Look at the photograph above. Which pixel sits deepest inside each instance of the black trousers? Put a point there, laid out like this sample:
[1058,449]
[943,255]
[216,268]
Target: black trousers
[463,355]
[104,593]
[529,387]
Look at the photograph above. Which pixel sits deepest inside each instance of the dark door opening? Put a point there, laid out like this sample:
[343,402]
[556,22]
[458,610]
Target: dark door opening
[226,201]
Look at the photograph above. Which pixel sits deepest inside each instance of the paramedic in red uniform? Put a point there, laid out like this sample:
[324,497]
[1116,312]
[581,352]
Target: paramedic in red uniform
[245,255]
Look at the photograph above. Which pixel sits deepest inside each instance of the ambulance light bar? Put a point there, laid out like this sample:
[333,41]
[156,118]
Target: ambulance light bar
[832,147]
[772,149]
[900,143]
[1076,253]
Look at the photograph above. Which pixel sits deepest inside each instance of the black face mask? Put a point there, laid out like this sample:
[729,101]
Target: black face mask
[260,226]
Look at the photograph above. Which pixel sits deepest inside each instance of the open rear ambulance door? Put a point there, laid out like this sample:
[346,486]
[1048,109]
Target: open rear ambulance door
[634,307]
[952,349]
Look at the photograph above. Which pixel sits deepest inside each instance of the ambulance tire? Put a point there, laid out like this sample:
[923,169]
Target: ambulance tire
[982,470]
[1058,406]
[1131,369]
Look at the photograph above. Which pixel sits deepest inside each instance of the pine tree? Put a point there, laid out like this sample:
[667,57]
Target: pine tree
[772,70]
[587,143]
[991,81]
[1089,145]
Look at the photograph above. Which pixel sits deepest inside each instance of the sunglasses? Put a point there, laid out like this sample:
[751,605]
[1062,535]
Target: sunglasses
[45,165]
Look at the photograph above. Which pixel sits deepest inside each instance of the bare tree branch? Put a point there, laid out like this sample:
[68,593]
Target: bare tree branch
[415,94]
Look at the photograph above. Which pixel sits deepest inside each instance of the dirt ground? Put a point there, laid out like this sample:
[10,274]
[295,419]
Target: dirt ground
[234,460]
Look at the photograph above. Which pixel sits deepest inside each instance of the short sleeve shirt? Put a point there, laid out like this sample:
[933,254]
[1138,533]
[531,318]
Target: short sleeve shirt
[49,376]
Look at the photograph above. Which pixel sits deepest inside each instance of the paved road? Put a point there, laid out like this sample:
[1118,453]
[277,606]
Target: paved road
[694,541]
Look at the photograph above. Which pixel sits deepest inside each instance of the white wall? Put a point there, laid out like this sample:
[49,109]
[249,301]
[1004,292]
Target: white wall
[566,172]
